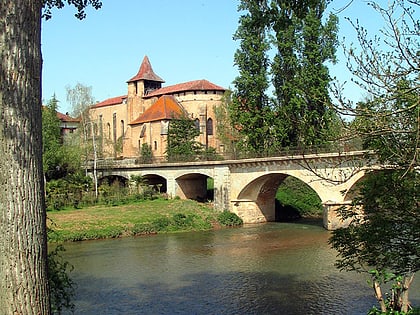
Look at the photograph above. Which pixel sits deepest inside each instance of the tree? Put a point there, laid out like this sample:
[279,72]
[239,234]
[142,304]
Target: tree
[23,242]
[301,79]
[226,131]
[51,139]
[80,97]
[182,145]
[250,104]
[299,112]
[385,241]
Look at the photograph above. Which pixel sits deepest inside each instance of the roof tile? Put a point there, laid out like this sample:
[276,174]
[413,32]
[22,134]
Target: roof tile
[166,107]
[111,101]
[197,85]
[146,72]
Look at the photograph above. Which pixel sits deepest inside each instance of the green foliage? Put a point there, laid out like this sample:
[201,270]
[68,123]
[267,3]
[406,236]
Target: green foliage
[146,155]
[80,5]
[299,113]
[51,137]
[386,237]
[67,191]
[118,145]
[397,120]
[59,159]
[227,218]
[226,131]
[250,108]
[300,77]
[178,222]
[62,288]
[182,145]
[292,192]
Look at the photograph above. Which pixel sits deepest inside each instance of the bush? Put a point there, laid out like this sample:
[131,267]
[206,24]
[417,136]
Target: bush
[227,218]
[61,286]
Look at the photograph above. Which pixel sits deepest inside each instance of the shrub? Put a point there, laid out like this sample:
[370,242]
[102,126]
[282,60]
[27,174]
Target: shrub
[227,218]
[61,286]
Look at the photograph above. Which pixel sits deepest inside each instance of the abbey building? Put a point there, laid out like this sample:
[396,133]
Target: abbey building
[124,123]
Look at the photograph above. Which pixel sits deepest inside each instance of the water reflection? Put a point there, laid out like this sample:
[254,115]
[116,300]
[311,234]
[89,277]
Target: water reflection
[264,269]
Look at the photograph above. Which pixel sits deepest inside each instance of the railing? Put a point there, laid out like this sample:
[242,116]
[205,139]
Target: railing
[291,151]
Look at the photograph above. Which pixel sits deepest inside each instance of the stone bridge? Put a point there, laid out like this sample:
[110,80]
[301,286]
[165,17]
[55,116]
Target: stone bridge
[248,187]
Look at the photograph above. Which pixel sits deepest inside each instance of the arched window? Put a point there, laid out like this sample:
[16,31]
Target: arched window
[197,124]
[108,130]
[122,128]
[209,127]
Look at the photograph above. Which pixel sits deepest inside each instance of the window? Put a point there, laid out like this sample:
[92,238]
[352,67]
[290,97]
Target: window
[108,130]
[209,127]
[155,145]
[143,130]
[164,125]
[122,128]
[114,126]
[101,127]
[197,124]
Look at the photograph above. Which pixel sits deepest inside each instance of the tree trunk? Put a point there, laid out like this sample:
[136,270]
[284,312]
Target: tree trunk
[23,246]
[379,296]
[405,286]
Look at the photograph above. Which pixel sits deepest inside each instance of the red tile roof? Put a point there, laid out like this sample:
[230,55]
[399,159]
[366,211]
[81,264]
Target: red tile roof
[146,72]
[67,118]
[166,107]
[63,117]
[197,85]
[111,101]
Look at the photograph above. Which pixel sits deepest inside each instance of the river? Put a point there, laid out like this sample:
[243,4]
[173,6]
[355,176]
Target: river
[274,268]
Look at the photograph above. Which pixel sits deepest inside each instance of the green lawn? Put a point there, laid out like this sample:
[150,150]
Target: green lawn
[144,217]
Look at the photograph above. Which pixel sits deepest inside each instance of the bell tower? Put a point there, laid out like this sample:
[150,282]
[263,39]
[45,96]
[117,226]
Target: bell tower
[140,85]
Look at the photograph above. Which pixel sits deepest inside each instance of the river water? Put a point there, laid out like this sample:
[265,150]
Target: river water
[274,268]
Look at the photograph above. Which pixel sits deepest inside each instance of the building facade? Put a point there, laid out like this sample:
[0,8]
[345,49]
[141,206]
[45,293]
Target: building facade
[142,116]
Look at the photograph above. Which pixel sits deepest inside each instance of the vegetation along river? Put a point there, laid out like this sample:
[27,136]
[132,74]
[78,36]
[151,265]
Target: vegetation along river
[275,268]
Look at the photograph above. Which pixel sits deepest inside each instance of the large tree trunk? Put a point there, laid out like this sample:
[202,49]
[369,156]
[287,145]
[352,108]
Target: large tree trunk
[23,247]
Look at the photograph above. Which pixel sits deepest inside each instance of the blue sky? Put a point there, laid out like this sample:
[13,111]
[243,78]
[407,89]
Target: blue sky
[185,40]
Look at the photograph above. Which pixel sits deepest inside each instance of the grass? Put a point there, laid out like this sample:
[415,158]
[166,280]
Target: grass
[143,217]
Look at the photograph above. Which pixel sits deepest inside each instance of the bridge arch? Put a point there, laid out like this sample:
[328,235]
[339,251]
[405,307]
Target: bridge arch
[113,179]
[193,186]
[158,182]
[256,202]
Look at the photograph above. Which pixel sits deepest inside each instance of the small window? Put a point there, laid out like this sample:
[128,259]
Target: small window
[155,145]
[108,131]
[197,123]
[142,131]
[209,127]
[164,125]
[122,128]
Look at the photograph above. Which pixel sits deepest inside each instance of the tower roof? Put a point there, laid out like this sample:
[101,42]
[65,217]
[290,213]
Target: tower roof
[165,108]
[146,72]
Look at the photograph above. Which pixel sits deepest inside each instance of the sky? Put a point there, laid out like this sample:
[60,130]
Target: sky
[184,40]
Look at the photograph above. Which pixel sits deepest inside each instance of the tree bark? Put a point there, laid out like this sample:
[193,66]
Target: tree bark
[405,286]
[379,296]
[23,245]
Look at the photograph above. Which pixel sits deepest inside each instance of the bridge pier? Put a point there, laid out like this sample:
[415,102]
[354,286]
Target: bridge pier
[251,212]
[331,218]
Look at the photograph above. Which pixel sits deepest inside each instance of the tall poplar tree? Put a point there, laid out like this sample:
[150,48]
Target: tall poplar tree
[23,241]
[250,108]
[303,45]
[297,112]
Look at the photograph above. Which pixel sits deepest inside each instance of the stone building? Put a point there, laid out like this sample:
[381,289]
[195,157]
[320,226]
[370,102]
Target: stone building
[124,123]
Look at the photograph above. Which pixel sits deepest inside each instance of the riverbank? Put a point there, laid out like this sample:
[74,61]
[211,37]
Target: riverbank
[143,217]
